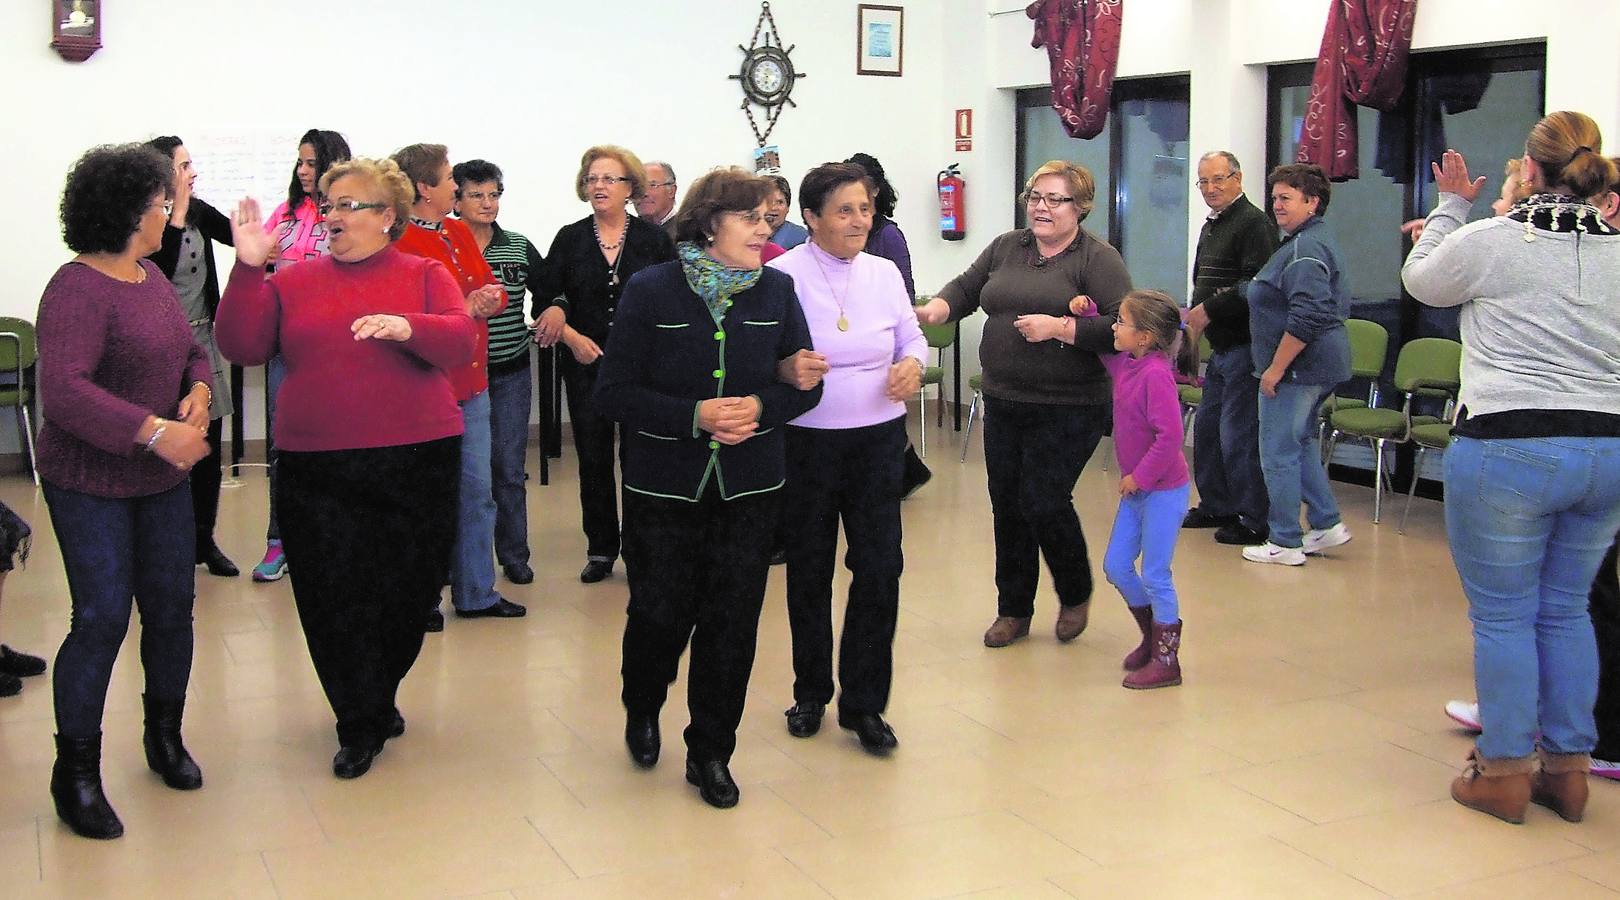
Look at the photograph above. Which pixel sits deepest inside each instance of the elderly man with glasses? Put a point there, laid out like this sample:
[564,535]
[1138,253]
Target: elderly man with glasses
[657,205]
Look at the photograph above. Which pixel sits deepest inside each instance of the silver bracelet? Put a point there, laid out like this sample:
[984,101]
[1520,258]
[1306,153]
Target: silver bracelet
[156,433]
[206,388]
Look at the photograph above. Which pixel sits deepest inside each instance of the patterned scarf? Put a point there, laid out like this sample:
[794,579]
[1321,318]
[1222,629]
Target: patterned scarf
[712,280]
[1559,213]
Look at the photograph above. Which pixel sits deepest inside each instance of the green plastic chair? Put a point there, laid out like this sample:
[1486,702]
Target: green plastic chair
[19,349]
[975,384]
[1427,367]
[1369,348]
[1192,394]
[940,337]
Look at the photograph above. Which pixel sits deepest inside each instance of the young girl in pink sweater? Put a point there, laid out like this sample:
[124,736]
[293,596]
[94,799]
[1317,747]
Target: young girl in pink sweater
[1153,487]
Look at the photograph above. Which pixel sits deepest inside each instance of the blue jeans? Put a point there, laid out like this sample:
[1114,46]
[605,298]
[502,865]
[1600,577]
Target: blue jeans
[511,397]
[1147,525]
[1226,440]
[118,553]
[472,565]
[275,372]
[1529,520]
[1291,460]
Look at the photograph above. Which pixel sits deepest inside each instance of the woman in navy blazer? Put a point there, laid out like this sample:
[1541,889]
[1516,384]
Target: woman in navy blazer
[695,370]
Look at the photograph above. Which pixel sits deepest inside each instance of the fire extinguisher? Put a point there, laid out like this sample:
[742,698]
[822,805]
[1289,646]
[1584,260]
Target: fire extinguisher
[952,203]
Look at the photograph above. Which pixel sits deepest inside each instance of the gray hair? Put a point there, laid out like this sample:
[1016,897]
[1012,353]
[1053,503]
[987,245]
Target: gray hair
[1226,155]
[668,169]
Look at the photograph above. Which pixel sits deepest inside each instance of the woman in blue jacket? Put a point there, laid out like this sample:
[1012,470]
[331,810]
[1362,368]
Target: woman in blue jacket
[1297,307]
[694,371]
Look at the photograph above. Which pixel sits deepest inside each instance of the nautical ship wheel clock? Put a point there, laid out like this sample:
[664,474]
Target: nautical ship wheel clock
[767,75]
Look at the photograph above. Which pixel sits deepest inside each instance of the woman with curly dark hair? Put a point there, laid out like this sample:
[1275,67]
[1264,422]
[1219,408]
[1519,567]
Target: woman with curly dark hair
[127,390]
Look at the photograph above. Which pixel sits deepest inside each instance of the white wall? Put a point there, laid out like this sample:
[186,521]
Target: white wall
[531,84]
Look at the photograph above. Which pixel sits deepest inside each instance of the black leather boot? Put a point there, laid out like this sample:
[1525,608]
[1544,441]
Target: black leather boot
[165,754]
[76,788]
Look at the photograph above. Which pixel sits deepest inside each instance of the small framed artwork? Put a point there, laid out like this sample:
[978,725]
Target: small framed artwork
[76,28]
[880,37]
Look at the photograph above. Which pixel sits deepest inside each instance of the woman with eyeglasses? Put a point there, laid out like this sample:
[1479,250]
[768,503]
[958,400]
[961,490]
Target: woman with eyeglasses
[127,388]
[187,260]
[695,371]
[370,436]
[583,276]
[300,234]
[1533,475]
[1046,402]
[1298,303]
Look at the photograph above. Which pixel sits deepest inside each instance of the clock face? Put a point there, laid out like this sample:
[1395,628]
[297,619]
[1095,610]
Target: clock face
[767,76]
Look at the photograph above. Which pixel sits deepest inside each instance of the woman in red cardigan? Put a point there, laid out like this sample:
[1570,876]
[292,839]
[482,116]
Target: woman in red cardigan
[369,436]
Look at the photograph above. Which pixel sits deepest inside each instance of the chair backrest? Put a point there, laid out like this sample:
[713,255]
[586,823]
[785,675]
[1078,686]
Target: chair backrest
[1205,349]
[1429,364]
[1369,347]
[940,336]
[18,345]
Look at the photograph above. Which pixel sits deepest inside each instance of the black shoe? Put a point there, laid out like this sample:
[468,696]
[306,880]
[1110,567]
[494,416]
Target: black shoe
[76,789]
[20,664]
[395,726]
[352,762]
[641,737]
[208,554]
[502,608]
[1239,535]
[435,621]
[1197,518]
[804,719]
[779,557]
[10,685]
[595,570]
[518,573]
[916,473]
[875,734]
[714,782]
[165,753]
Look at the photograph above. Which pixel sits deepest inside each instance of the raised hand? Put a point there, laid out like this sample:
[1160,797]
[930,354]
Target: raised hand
[253,245]
[1451,177]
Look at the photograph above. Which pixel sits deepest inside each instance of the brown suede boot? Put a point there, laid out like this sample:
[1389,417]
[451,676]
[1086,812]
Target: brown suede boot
[1144,620]
[1163,667]
[1006,629]
[1498,787]
[1072,620]
[1560,785]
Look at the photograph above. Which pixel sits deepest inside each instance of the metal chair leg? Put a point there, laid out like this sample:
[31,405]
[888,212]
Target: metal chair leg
[1378,478]
[1417,466]
[967,436]
[28,438]
[1332,444]
[922,422]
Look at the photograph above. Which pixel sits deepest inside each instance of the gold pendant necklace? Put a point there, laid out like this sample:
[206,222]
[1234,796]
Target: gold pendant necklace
[843,319]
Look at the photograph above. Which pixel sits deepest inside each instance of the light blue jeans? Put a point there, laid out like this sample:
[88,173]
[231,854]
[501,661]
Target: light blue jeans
[1147,525]
[1529,520]
[472,565]
[1291,460]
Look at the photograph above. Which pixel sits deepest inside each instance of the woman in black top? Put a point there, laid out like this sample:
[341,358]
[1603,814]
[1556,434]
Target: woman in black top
[584,272]
[187,260]
[695,373]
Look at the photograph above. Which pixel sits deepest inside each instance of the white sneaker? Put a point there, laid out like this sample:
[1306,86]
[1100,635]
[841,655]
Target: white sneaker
[1326,538]
[1271,553]
[1603,768]
[1465,714]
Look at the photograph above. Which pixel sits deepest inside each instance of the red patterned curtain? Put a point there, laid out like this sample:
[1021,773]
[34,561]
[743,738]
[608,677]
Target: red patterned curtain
[1362,61]
[1082,43]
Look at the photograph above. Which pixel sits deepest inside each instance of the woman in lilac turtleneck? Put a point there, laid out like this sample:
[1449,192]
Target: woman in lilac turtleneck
[844,458]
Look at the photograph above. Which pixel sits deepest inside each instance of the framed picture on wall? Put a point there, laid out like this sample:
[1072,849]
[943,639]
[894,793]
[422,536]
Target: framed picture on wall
[76,28]
[880,37]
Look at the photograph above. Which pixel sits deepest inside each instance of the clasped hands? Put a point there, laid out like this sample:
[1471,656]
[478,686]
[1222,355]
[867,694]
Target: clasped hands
[729,420]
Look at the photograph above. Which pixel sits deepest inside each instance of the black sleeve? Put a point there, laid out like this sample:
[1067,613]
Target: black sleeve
[167,256]
[548,288]
[781,403]
[214,225]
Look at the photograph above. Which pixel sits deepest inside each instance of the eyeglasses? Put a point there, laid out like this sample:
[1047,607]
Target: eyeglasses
[751,217]
[605,180]
[168,208]
[348,206]
[660,184]
[1052,201]
[480,196]
[1215,181]
[1120,322]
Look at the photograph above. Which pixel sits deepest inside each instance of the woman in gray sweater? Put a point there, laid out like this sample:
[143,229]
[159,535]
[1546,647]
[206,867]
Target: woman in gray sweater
[1533,477]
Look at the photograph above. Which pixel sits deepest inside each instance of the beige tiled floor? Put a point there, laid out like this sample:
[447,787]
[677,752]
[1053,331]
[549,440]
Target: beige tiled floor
[1306,755]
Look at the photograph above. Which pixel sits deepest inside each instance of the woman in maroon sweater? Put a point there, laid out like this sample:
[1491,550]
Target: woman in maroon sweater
[368,432]
[127,393]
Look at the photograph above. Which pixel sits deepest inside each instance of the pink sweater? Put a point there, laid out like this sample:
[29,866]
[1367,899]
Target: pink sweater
[1147,420]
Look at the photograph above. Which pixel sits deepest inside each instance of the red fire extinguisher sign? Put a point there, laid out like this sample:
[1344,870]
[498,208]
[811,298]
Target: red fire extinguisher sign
[964,130]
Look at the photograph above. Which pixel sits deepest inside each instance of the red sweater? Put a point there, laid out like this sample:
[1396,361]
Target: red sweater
[343,394]
[466,262]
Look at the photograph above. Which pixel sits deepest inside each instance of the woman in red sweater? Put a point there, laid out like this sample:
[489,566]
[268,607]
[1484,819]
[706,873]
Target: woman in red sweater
[369,436]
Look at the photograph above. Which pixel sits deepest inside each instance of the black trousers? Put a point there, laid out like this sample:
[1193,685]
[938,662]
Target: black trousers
[853,475]
[1033,455]
[697,574]
[1606,622]
[205,480]
[593,440]
[368,535]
